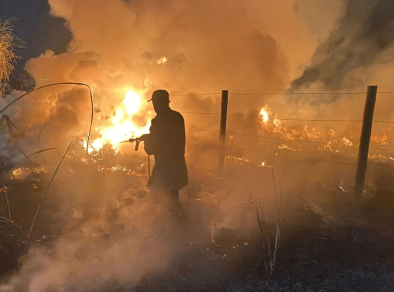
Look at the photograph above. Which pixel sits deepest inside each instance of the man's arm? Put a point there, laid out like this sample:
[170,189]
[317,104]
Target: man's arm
[152,141]
[180,135]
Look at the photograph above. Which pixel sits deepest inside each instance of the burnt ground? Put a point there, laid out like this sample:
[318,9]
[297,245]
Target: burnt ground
[349,250]
[315,254]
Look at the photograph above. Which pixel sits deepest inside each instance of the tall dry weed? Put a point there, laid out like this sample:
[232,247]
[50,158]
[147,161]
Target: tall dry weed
[9,44]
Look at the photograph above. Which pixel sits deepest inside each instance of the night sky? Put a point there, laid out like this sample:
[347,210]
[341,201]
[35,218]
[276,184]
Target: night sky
[36,27]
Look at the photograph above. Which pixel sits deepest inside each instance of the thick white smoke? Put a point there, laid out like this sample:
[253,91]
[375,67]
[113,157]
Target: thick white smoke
[241,46]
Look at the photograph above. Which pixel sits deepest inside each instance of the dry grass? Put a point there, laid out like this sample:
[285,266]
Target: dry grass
[9,43]
[9,228]
[270,247]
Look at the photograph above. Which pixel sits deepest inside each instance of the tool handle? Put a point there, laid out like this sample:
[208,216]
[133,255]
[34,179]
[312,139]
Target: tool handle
[137,144]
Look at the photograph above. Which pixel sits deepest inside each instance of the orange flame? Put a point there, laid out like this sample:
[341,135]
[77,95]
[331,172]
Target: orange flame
[347,142]
[264,114]
[123,127]
[162,61]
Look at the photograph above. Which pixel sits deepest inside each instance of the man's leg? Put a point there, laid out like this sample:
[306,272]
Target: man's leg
[176,207]
[174,196]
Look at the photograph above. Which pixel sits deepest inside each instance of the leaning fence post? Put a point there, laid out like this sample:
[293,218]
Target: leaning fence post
[364,143]
[222,135]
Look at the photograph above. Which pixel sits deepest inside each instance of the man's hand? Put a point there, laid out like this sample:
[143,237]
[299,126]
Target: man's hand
[144,137]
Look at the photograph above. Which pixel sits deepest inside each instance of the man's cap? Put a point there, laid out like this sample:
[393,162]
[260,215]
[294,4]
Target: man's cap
[161,95]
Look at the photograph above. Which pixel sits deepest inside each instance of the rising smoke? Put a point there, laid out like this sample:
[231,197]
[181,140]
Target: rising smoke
[208,46]
[364,33]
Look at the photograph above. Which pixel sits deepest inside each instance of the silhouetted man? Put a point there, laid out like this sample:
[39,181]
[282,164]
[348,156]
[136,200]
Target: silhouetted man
[166,142]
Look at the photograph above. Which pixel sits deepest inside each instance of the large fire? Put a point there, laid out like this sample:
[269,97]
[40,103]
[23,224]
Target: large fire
[122,126]
[304,132]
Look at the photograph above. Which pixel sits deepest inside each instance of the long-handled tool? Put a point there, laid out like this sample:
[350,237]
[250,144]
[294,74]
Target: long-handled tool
[136,140]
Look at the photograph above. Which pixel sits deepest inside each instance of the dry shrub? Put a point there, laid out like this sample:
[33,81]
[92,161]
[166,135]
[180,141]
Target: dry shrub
[9,43]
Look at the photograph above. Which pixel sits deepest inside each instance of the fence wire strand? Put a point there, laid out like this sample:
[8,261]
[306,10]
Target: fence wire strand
[288,119]
[281,93]
[196,94]
[298,93]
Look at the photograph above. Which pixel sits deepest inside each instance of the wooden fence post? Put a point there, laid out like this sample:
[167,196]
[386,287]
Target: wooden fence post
[364,143]
[222,134]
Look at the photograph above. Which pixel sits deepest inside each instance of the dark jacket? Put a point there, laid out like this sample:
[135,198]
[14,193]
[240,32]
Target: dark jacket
[166,142]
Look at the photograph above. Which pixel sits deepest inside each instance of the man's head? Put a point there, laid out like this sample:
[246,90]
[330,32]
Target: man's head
[160,100]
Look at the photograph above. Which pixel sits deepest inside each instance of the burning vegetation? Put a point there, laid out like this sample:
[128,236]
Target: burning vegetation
[75,212]
[127,122]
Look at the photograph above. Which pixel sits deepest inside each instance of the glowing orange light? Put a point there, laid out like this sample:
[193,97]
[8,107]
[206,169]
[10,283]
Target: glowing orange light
[264,115]
[122,126]
[347,142]
[163,60]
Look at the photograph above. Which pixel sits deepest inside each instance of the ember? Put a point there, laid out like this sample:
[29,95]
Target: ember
[347,142]
[264,115]
[21,173]
[162,61]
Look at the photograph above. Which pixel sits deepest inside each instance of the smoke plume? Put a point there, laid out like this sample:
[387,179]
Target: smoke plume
[363,34]
[144,45]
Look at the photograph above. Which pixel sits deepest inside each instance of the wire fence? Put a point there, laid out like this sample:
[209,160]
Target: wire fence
[258,117]
[277,137]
